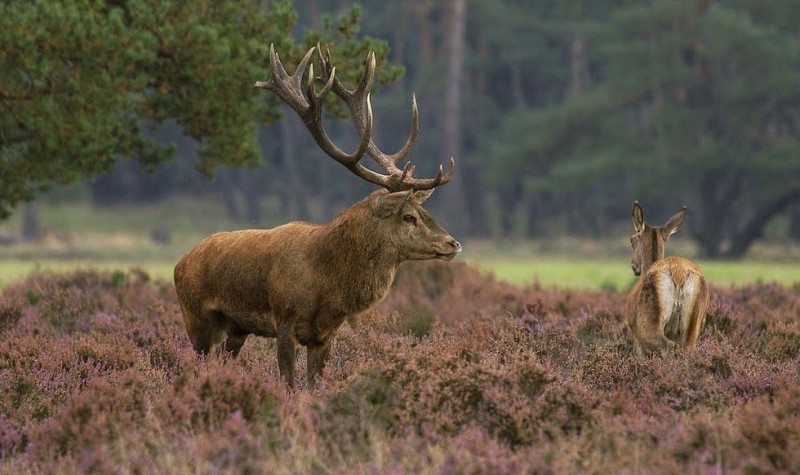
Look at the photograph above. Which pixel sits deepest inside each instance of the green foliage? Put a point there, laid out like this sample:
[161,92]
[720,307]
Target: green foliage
[84,82]
[667,102]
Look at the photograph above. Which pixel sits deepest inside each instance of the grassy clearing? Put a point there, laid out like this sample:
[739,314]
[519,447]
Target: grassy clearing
[119,237]
[615,274]
[12,270]
[547,271]
[591,265]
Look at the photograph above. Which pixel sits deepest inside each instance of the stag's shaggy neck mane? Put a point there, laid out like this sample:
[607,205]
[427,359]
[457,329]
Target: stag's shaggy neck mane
[355,245]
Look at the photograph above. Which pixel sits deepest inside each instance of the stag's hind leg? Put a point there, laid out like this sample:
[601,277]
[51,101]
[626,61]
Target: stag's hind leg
[317,355]
[287,347]
[234,342]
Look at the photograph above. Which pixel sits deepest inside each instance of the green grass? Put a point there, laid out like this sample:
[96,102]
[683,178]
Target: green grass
[615,274]
[118,237]
[547,271]
[12,270]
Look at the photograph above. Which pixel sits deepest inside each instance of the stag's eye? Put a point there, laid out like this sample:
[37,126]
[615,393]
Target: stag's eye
[410,219]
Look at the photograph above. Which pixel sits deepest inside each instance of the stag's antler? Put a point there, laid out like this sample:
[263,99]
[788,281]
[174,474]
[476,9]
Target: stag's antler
[308,106]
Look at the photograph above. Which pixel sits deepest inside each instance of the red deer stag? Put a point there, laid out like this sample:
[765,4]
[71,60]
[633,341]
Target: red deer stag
[667,307]
[299,282]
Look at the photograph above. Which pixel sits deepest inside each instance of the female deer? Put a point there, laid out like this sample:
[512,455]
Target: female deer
[667,306]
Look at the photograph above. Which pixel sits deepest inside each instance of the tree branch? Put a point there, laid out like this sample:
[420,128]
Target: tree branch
[754,229]
[47,90]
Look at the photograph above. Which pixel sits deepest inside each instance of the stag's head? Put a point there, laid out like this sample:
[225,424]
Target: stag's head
[410,228]
[407,225]
[648,241]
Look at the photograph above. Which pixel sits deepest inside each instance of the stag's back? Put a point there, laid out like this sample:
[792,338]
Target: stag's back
[232,269]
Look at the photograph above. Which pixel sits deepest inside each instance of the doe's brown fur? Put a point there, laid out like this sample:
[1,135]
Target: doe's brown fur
[667,307]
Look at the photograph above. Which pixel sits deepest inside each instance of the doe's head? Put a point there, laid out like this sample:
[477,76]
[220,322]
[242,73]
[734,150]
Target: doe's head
[648,241]
[411,229]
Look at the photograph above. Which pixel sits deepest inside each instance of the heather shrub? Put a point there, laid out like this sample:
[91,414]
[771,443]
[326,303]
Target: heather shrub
[10,313]
[781,341]
[12,437]
[766,432]
[203,398]
[97,416]
[454,372]
[449,291]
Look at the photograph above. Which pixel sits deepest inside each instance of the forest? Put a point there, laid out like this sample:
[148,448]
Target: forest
[559,113]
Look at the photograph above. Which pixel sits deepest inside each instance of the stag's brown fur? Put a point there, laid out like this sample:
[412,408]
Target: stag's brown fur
[667,306]
[299,282]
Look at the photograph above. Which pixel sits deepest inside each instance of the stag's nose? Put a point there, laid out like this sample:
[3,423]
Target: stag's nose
[455,245]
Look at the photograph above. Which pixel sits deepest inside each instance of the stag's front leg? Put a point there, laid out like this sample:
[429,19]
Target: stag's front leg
[286,352]
[317,355]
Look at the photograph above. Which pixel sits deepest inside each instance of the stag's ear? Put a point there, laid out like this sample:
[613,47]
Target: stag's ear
[391,203]
[422,195]
[638,217]
[674,223]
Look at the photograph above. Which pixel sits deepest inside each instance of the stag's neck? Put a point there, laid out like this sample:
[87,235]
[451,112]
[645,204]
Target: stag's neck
[354,245]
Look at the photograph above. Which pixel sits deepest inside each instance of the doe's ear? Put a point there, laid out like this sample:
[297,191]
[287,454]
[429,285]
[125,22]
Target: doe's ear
[391,203]
[674,223]
[638,217]
[422,195]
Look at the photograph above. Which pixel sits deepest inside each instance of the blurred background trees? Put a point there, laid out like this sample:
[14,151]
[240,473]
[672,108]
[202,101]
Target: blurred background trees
[560,113]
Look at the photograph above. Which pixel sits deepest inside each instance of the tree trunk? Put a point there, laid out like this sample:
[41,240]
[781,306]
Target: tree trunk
[794,223]
[313,13]
[457,218]
[31,225]
[227,189]
[717,205]
[578,66]
[422,10]
[755,227]
[251,194]
[398,51]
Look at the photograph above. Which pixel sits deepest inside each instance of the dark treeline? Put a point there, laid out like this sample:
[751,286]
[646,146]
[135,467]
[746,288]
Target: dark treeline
[559,113]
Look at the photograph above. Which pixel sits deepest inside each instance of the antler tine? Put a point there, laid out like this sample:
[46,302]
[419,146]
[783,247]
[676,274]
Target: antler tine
[297,77]
[408,170]
[284,86]
[412,137]
[368,78]
[276,67]
[273,68]
[406,182]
